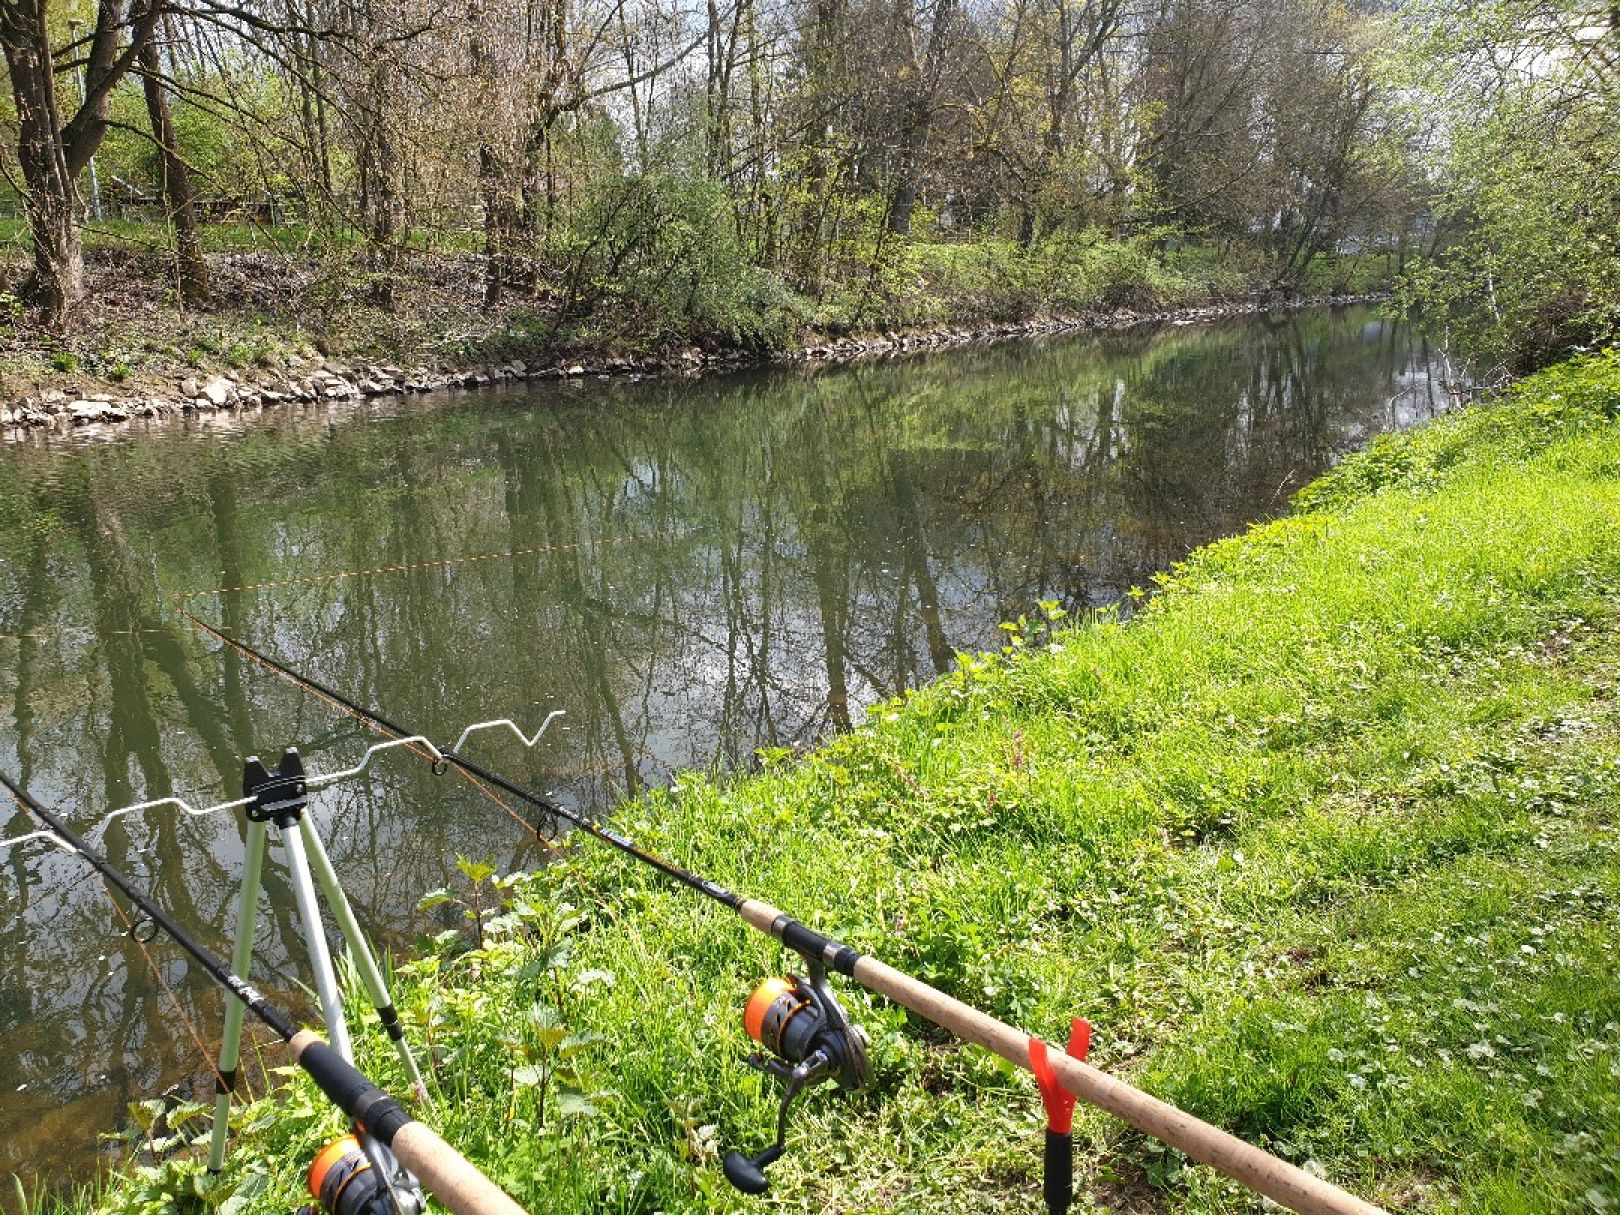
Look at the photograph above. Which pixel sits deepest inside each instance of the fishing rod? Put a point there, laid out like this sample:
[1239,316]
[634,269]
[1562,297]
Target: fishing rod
[800,1022]
[442,1170]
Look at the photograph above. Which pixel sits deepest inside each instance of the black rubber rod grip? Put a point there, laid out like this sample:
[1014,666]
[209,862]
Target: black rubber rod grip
[443,1171]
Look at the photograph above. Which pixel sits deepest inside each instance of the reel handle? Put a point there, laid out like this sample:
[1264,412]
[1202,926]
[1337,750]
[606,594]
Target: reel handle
[747,1173]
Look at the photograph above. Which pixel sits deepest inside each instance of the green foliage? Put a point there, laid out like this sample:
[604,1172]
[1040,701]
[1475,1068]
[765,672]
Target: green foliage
[657,258]
[1558,403]
[1322,840]
[990,280]
[225,162]
[1531,138]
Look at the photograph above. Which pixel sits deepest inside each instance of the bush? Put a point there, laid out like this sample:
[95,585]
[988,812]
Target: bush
[992,279]
[659,257]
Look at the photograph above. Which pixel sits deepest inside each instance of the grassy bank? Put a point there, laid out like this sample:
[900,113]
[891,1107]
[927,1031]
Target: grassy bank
[1322,841]
[282,299]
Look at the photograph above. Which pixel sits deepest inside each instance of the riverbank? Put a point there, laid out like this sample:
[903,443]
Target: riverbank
[1322,842]
[264,345]
[320,382]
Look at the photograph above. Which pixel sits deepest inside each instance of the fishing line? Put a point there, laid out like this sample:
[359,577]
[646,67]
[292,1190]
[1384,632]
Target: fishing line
[132,931]
[443,1170]
[826,1047]
[351,711]
[469,767]
[438,563]
[182,599]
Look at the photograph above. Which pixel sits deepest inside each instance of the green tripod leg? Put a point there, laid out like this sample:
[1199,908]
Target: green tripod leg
[241,962]
[365,960]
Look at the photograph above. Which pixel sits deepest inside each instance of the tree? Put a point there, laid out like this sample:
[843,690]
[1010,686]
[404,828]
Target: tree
[1521,99]
[51,152]
[191,268]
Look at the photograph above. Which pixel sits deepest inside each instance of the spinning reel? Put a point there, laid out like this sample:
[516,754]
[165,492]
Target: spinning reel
[807,1040]
[357,1175]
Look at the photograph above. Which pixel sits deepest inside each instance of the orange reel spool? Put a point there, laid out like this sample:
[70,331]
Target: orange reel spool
[343,1181]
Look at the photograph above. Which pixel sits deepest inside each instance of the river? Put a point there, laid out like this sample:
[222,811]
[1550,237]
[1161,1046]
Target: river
[703,568]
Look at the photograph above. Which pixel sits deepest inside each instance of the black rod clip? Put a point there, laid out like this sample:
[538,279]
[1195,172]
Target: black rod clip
[279,798]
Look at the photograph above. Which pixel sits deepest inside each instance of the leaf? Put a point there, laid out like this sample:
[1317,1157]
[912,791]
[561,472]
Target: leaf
[146,1113]
[558,957]
[548,1028]
[500,925]
[253,1185]
[435,898]
[449,941]
[574,1043]
[529,1076]
[183,1112]
[573,1104]
[530,970]
[249,1188]
[475,871]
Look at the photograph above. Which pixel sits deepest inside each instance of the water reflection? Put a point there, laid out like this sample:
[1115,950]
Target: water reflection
[707,568]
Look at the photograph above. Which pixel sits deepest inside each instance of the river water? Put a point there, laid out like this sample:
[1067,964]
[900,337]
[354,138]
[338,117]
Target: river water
[708,568]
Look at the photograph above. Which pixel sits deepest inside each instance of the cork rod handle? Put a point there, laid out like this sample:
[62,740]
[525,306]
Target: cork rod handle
[447,1175]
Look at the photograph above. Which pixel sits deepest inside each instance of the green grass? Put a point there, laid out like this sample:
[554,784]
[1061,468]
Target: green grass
[1322,841]
[230,236]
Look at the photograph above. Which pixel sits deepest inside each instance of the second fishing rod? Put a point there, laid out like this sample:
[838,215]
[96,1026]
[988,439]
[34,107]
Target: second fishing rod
[800,1022]
[385,1133]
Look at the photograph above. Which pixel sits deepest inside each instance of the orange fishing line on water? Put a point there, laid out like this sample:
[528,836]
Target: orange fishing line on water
[181,598]
[439,563]
[204,626]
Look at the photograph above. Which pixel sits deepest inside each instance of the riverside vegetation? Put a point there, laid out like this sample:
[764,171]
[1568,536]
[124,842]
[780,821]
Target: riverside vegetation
[1321,839]
[209,186]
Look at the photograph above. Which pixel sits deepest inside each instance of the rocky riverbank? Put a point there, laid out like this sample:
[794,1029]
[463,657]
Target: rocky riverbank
[75,404]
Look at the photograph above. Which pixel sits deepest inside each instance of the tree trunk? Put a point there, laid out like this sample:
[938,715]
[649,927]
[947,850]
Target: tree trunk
[494,246]
[57,285]
[904,199]
[52,153]
[918,125]
[191,268]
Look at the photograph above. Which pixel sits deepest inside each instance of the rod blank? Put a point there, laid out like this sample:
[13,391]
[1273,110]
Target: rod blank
[1259,1170]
